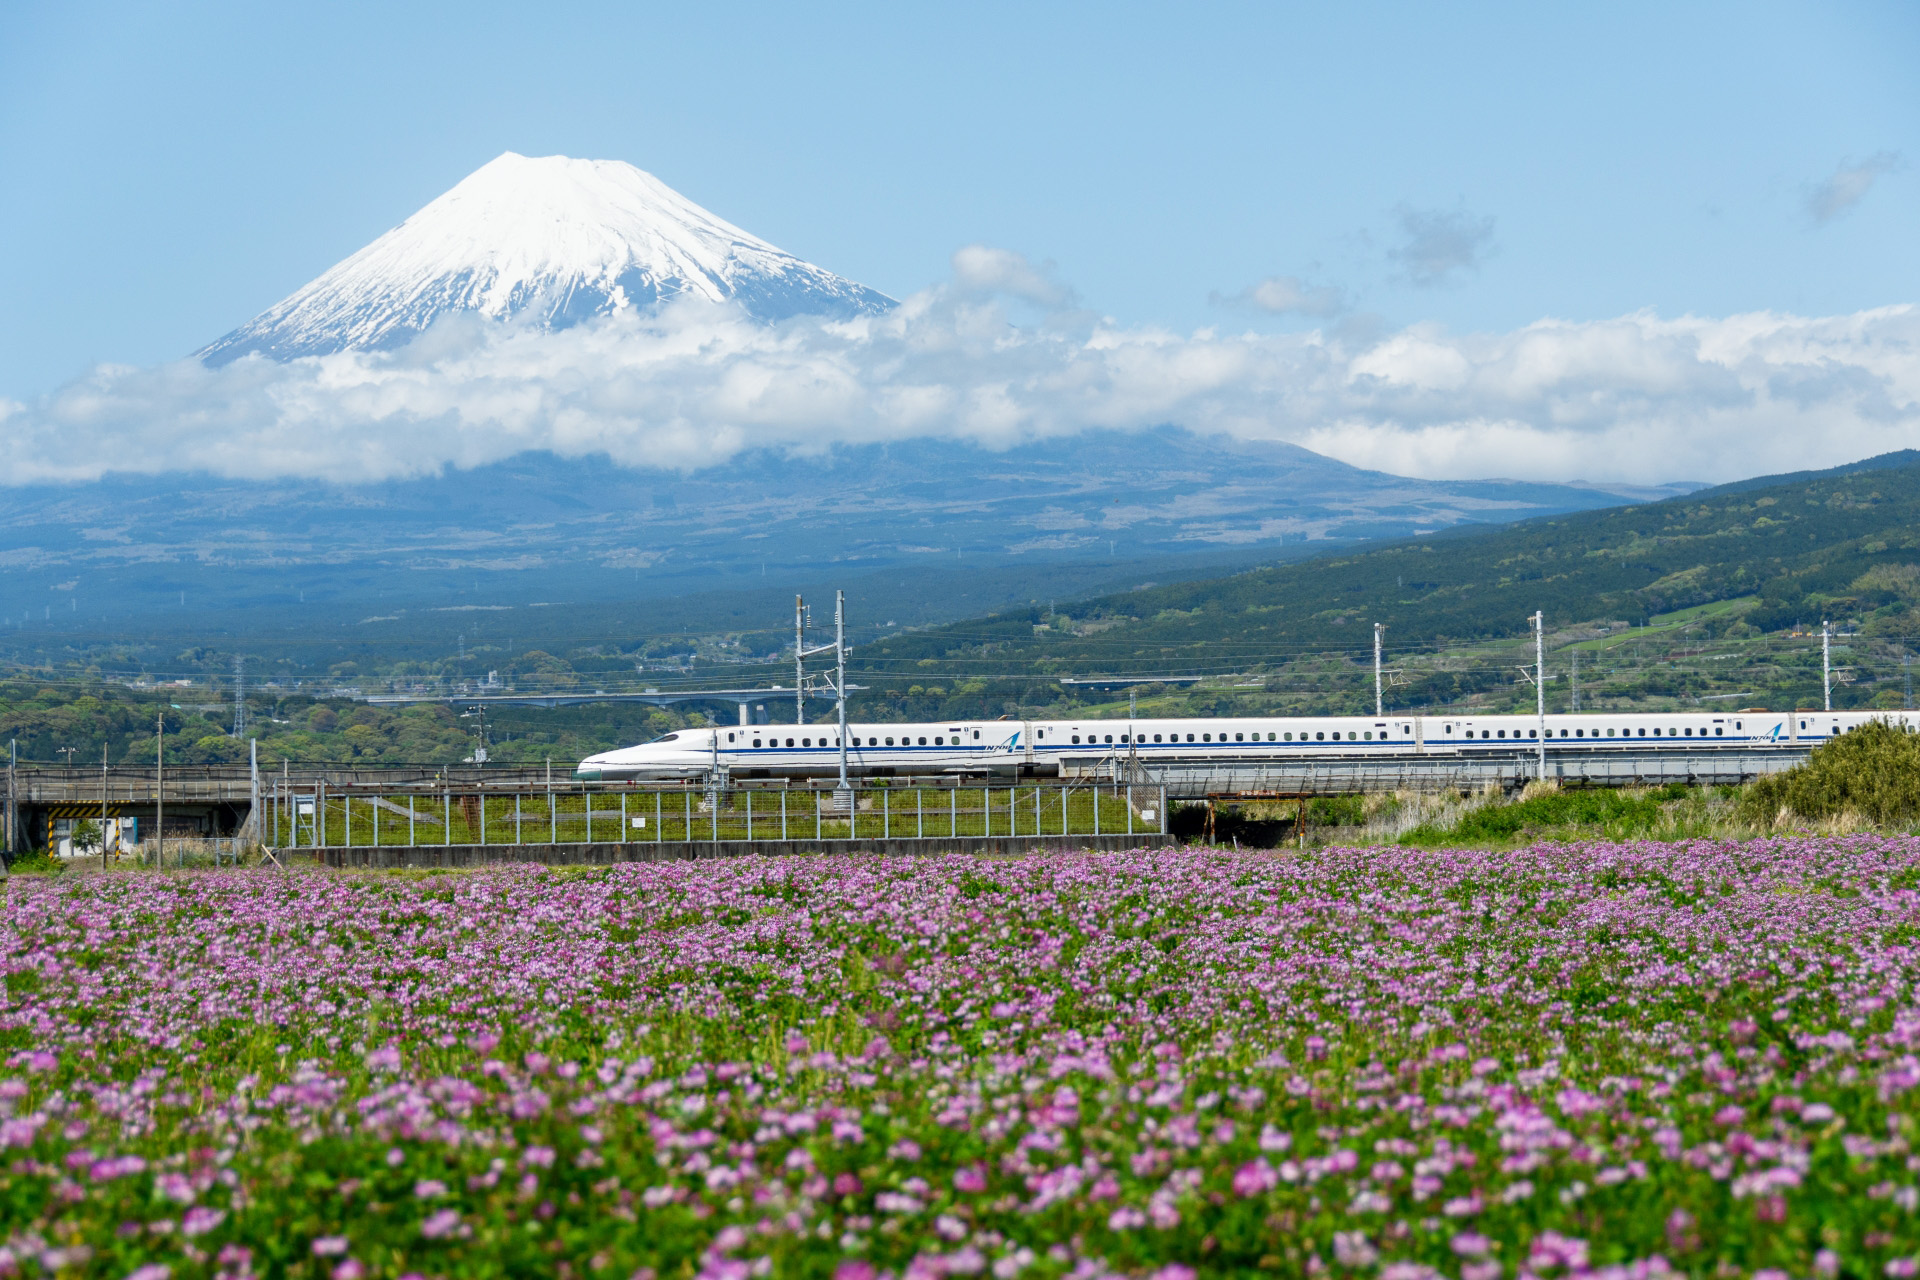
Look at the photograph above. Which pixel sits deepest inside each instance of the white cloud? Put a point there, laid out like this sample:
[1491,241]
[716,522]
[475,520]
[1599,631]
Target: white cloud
[979,268]
[1848,186]
[1289,295]
[1639,398]
[1437,247]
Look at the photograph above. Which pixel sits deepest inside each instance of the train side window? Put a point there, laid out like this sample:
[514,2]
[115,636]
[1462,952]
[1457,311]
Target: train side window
[1736,724]
[1803,724]
[1273,737]
[729,737]
[756,742]
[1533,733]
[976,735]
[1318,736]
[1189,737]
[1643,733]
[789,741]
[1716,733]
[1076,739]
[1206,737]
[923,742]
[889,741]
[1156,737]
[1369,735]
[1501,732]
[1239,737]
[1109,737]
[938,740]
[807,742]
[1289,737]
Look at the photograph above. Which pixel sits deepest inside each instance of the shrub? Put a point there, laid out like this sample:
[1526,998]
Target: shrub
[1873,771]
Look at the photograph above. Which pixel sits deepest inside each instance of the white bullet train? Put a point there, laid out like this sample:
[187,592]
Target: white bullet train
[1033,748]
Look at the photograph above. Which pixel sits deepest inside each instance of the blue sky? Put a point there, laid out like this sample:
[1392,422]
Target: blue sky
[170,170]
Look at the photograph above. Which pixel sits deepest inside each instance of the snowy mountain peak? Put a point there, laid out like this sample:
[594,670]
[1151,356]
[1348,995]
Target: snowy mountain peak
[560,238]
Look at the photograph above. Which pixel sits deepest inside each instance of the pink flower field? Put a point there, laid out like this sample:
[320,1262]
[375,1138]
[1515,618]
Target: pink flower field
[1607,1060]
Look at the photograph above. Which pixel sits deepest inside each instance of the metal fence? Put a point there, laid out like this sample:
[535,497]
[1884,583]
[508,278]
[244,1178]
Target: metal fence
[319,817]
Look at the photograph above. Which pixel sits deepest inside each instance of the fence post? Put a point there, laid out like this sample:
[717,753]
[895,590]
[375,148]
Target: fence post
[518,838]
[1096,808]
[852,799]
[446,815]
[1129,808]
[586,798]
[346,810]
[553,811]
[783,813]
[919,813]
[886,814]
[687,796]
[376,821]
[483,815]
[320,813]
[626,829]
[749,796]
[412,822]
[713,814]
[658,835]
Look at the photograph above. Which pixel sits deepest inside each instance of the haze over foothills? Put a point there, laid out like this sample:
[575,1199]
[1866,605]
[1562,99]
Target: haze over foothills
[1632,246]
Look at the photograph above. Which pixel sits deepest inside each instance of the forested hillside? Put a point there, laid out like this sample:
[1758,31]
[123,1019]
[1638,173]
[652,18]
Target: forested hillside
[1844,545]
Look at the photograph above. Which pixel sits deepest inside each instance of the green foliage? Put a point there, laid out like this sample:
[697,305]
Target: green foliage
[1873,771]
[1618,813]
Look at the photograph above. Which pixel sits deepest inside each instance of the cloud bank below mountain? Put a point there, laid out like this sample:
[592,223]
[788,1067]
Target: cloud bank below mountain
[1641,398]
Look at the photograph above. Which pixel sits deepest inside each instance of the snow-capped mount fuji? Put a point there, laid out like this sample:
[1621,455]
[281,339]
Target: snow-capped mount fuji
[549,238]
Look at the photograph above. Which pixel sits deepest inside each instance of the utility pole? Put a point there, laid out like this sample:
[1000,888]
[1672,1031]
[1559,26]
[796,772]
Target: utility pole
[1576,680]
[799,660]
[159,789]
[1906,669]
[103,806]
[1133,704]
[239,696]
[13,802]
[1379,703]
[1826,663]
[1540,682]
[840,687]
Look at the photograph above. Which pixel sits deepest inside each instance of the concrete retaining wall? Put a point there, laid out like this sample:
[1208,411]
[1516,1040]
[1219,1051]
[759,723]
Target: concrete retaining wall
[597,854]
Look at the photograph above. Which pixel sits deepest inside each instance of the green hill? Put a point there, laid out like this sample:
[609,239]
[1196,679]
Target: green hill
[1841,544]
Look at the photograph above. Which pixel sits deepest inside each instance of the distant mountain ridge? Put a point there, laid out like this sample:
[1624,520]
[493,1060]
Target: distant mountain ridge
[551,240]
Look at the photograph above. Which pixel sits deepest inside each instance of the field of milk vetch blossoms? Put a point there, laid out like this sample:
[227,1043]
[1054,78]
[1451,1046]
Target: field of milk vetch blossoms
[1568,1060]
